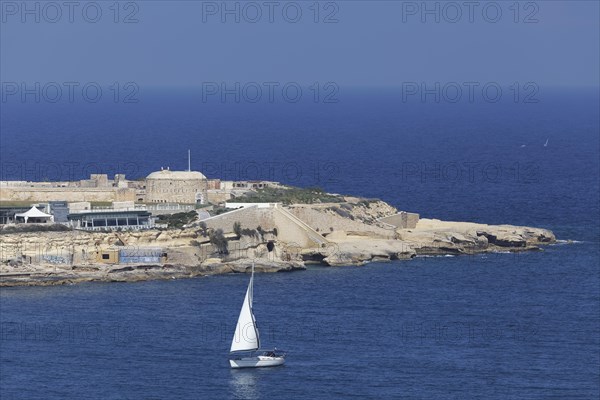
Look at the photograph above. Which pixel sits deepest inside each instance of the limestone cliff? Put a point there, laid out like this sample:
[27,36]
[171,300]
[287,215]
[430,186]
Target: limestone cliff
[347,233]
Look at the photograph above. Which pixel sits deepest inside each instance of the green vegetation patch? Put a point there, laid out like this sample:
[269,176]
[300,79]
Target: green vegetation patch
[27,228]
[367,202]
[290,195]
[342,211]
[178,220]
[16,203]
[218,239]
[101,204]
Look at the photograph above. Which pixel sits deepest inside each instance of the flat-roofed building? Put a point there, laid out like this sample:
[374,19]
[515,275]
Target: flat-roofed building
[7,214]
[60,210]
[112,219]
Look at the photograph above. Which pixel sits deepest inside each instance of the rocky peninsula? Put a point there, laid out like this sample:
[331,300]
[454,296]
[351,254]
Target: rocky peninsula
[276,236]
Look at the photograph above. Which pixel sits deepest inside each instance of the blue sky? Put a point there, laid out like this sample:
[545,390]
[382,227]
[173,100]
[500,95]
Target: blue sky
[373,43]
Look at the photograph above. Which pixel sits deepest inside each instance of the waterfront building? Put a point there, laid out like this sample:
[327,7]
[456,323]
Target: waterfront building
[112,219]
[60,210]
[108,256]
[7,214]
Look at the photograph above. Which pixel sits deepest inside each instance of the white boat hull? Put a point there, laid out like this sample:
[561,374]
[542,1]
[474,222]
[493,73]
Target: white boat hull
[257,362]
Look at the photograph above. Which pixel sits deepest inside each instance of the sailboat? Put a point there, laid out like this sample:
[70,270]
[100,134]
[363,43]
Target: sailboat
[245,347]
[546,144]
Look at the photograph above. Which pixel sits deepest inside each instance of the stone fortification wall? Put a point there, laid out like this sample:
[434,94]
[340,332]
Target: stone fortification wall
[70,194]
[249,218]
[402,220]
[324,222]
[294,232]
[174,191]
[288,230]
[29,184]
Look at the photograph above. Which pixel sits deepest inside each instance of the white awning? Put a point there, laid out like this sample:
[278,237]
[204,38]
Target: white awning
[34,212]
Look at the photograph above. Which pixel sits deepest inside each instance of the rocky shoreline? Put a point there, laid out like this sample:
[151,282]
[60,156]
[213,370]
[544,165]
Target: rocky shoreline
[134,273]
[429,237]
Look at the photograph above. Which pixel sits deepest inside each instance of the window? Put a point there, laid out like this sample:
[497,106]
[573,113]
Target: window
[122,221]
[106,256]
[99,222]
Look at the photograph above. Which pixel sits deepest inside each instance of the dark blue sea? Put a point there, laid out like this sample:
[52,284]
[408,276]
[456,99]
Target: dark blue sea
[496,326]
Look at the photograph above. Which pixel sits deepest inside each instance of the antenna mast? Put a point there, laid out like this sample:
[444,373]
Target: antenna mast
[189,160]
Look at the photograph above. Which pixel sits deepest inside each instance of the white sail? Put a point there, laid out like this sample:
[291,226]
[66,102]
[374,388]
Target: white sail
[246,332]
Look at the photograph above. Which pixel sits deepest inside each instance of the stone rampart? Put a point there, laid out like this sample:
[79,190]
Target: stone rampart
[402,220]
[325,222]
[71,194]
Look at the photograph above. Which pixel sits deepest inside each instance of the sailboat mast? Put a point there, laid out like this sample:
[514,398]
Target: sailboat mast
[252,310]
[252,286]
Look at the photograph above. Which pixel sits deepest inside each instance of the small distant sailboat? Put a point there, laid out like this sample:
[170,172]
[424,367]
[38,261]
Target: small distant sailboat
[546,144]
[247,339]
[523,145]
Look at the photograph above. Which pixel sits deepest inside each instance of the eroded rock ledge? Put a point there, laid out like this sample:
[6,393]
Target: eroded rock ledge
[44,276]
[434,237]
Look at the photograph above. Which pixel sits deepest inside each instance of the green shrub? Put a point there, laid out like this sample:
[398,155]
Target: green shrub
[343,213]
[237,228]
[203,228]
[178,220]
[218,239]
[250,232]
